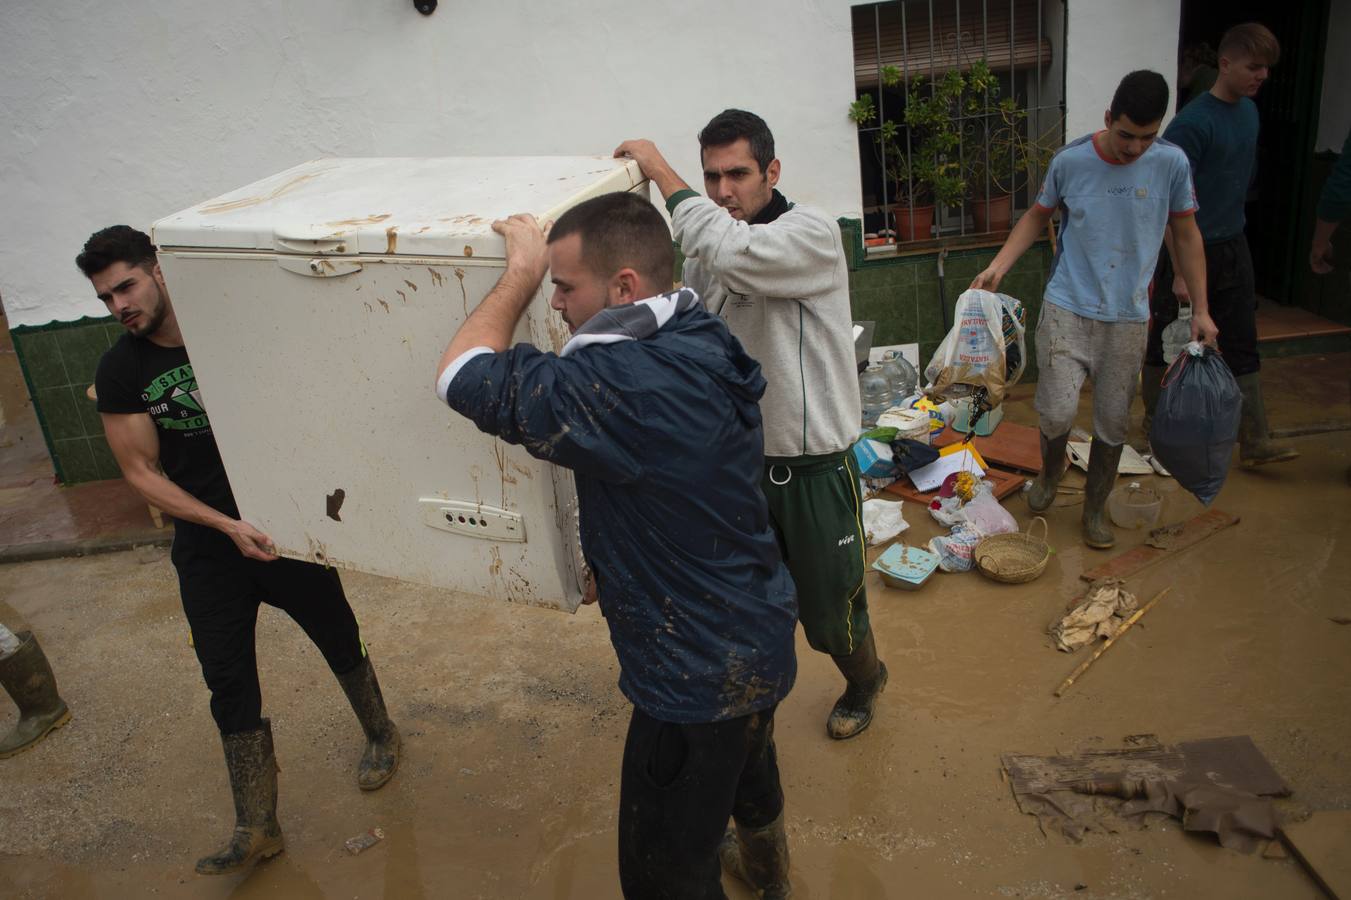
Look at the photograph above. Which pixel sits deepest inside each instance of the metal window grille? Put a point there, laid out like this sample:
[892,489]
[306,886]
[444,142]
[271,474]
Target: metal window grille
[920,50]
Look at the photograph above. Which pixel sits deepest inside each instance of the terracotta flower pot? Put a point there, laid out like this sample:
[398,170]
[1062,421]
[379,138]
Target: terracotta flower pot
[913,225]
[994,214]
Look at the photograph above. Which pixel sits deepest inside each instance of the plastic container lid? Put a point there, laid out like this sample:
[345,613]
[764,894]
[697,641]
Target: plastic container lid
[906,567]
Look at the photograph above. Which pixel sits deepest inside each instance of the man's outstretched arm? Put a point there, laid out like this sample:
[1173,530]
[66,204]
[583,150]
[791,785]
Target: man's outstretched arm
[493,321]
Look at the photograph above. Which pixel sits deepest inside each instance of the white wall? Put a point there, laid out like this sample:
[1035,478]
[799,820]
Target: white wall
[1334,118]
[1107,39]
[124,111]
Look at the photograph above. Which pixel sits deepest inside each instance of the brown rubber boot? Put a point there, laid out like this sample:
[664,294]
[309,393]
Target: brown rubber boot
[1103,459]
[252,765]
[758,857]
[384,745]
[1254,440]
[27,677]
[865,678]
[1053,466]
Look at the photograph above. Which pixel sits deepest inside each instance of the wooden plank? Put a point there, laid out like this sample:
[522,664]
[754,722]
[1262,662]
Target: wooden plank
[1005,483]
[1132,561]
[1323,844]
[1012,445]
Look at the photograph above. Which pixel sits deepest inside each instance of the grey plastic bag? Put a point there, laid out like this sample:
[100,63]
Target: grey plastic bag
[1196,421]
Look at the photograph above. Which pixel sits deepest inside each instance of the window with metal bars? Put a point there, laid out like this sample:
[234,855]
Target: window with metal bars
[959,106]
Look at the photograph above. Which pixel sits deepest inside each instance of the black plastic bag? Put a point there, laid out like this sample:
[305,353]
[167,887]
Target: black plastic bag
[1196,421]
[908,455]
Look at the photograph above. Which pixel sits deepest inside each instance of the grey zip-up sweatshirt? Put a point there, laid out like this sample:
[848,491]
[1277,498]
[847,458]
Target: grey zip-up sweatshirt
[783,289]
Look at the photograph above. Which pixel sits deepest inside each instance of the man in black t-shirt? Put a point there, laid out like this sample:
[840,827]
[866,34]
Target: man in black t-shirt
[157,427]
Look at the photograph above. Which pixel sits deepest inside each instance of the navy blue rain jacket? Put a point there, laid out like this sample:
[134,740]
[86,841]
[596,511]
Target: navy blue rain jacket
[664,436]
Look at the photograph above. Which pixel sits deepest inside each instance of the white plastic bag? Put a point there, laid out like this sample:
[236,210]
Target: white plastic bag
[973,355]
[882,521]
[954,550]
[988,516]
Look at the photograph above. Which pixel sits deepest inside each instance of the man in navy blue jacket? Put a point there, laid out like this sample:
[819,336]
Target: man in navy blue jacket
[654,406]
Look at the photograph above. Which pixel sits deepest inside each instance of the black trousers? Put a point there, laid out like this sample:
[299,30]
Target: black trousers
[1232,294]
[221,590]
[679,786]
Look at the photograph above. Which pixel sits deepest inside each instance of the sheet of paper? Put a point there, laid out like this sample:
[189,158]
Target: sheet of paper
[931,477]
[1132,463]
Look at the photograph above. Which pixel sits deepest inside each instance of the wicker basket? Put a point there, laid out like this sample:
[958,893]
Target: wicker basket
[1014,558]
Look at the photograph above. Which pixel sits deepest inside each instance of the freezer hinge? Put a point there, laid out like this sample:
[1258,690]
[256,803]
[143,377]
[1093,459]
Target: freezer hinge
[472,519]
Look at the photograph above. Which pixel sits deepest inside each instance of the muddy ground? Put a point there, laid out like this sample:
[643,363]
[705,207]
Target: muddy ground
[513,725]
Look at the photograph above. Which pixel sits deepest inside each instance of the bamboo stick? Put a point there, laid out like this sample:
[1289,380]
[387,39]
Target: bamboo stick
[1083,666]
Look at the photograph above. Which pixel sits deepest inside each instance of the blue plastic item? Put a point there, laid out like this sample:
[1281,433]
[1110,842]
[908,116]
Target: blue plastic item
[905,567]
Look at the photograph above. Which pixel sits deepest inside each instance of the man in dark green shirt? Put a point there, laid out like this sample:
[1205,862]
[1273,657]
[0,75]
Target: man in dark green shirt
[1218,132]
[1334,205]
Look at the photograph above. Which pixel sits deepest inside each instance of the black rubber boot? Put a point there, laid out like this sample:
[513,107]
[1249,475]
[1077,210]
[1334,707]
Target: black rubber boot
[1151,385]
[1053,466]
[252,765]
[27,677]
[1254,440]
[1103,459]
[383,742]
[759,857]
[866,677]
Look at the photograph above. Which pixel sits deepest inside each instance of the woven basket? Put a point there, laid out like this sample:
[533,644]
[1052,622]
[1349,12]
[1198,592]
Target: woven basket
[1014,558]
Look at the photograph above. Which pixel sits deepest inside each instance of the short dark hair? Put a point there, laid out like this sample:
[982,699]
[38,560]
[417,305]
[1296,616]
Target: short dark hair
[731,125]
[1142,96]
[618,231]
[114,244]
[1253,40]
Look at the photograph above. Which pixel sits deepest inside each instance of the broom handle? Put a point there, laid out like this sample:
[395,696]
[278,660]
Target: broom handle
[1083,666]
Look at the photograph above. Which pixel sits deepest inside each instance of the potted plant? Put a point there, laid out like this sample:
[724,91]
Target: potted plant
[930,173]
[1000,152]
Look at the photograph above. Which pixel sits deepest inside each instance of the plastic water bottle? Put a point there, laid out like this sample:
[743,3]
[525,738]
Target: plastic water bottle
[1177,334]
[875,391]
[900,374]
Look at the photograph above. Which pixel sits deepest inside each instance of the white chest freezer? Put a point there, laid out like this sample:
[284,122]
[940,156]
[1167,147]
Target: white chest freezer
[315,305]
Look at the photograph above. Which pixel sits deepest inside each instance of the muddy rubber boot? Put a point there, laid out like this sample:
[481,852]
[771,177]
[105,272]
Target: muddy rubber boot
[383,742]
[1151,385]
[1254,440]
[758,857]
[252,765]
[1103,459]
[1053,466]
[27,677]
[865,678]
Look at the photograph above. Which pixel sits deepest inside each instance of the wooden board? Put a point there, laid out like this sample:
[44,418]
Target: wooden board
[1011,445]
[1005,483]
[1323,844]
[1193,532]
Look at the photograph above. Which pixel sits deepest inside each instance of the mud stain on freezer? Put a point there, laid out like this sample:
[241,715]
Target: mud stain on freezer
[464,294]
[382,302]
[411,286]
[392,239]
[245,202]
[468,250]
[333,504]
[437,278]
[402,296]
[373,219]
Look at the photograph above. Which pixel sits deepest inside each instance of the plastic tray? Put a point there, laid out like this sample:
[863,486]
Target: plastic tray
[906,568]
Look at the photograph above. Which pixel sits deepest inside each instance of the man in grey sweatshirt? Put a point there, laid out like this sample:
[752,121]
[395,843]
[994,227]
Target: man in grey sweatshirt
[776,272]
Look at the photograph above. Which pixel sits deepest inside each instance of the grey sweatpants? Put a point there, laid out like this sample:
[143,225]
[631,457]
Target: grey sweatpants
[1070,348]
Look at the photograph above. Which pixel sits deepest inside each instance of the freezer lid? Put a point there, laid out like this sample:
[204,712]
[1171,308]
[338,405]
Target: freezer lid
[426,207]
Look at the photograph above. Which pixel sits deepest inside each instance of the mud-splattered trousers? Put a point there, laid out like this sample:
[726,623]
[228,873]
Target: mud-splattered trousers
[678,787]
[221,592]
[1071,348]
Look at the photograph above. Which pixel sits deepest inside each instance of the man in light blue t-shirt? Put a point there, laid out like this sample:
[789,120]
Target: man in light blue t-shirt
[1116,191]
